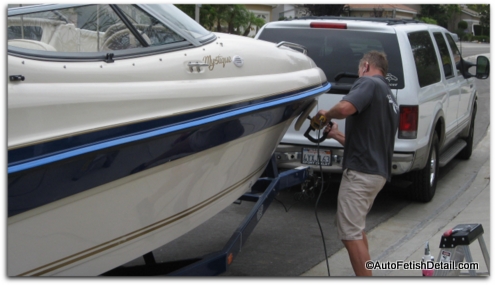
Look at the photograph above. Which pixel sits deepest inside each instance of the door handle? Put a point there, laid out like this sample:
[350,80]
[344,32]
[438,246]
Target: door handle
[17,78]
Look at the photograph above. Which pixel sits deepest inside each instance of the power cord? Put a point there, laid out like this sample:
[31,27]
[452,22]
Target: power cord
[318,200]
[283,205]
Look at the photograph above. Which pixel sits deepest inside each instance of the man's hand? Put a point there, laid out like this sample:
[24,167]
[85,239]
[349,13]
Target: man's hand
[333,130]
[334,133]
[319,121]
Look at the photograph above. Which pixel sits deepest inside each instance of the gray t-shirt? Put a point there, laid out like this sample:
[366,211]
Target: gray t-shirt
[370,132]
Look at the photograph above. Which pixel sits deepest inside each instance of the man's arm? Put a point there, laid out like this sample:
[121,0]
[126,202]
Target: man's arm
[341,110]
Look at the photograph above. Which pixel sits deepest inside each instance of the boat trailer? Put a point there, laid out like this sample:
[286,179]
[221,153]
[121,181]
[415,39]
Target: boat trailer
[263,192]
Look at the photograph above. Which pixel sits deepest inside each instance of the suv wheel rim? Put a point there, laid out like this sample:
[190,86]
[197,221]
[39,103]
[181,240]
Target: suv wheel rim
[433,166]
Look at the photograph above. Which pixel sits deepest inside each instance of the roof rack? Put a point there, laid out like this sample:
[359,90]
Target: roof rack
[389,21]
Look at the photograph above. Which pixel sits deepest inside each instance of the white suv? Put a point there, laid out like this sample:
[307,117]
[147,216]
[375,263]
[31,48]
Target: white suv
[428,76]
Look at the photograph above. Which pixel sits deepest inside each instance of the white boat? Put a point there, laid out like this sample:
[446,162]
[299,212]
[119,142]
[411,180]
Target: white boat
[129,125]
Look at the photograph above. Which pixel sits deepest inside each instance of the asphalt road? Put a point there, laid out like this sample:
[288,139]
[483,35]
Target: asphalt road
[287,241]
[469,49]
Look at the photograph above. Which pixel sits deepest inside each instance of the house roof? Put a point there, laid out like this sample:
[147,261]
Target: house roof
[470,12]
[398,7]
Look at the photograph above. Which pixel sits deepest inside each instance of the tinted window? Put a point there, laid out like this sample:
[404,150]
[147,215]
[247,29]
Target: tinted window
[338,51]
[425,58]
[448,69]
[455,51]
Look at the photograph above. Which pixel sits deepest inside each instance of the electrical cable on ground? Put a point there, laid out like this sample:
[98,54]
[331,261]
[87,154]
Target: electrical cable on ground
[282,203]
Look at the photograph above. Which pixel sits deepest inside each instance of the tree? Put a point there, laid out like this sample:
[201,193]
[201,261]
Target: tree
[444,15]
[220,15]
[235,17]
[428,20]
[253,21]
[453,11]
[485,21]
[484,11]
[230,18]
[208,17]
[462,25]
[437,12]
[325,9]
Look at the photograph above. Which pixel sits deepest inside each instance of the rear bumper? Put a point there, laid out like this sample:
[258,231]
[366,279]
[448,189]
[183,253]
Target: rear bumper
[290,156]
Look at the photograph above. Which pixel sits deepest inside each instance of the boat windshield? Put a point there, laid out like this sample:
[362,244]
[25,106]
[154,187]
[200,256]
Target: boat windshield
[180,20]
[102,28]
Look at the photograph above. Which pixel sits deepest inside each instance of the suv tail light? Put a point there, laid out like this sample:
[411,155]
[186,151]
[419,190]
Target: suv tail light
[320,25]
[408,123]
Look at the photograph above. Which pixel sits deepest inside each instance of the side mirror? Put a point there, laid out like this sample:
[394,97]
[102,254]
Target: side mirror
[463,66]
[482,67]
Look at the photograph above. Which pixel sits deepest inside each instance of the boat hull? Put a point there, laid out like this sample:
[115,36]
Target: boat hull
[160,188]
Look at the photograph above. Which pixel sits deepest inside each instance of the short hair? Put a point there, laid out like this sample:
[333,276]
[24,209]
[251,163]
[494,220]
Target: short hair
[376,59]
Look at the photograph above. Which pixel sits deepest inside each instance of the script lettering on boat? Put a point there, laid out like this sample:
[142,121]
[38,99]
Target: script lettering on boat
[213,61]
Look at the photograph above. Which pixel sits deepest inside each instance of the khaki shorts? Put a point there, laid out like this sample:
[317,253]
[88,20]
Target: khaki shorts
[356,196]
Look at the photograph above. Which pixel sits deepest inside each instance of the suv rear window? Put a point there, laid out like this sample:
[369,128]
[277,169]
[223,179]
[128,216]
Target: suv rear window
[337,51]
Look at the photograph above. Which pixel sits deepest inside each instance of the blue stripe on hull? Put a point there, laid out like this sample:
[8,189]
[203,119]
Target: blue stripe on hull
[58,173]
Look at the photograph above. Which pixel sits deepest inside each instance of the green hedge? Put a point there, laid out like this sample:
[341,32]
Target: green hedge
[485,39]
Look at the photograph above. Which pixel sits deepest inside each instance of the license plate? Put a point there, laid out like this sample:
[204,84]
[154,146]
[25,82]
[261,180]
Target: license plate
[310,156]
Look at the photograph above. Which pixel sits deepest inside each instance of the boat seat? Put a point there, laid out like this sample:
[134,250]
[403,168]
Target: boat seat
[31,44]
[65,38]
[69,38]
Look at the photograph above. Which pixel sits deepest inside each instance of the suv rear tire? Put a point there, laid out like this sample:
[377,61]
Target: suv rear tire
[424,181]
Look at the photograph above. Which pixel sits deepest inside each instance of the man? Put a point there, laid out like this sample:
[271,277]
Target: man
[372,117]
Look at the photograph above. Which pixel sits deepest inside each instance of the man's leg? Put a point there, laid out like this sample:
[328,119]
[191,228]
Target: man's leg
[358,254]
[356,195]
